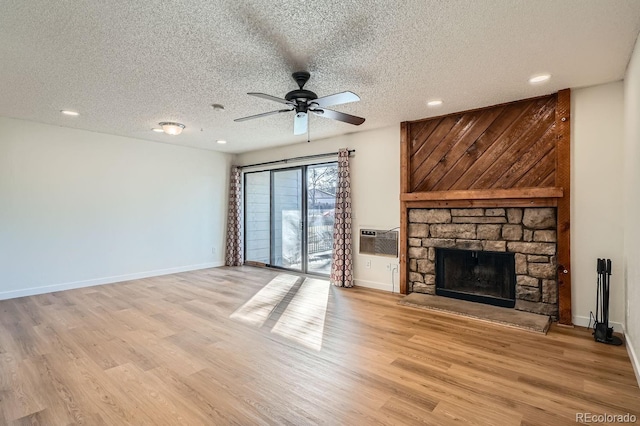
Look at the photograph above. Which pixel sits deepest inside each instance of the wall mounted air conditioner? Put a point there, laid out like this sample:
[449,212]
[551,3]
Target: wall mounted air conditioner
[379,242]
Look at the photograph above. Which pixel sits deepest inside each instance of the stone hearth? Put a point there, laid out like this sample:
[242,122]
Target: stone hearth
[529,233]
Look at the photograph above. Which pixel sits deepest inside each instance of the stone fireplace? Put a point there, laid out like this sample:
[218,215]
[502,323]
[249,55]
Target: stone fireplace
[528,234]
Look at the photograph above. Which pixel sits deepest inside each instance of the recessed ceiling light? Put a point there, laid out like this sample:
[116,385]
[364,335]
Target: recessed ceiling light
[157,130]
[171,128]
[221,142]
[539,78]
[72,113]
[434,103]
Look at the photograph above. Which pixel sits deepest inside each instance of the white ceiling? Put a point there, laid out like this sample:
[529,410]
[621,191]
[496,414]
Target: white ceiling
[127,65]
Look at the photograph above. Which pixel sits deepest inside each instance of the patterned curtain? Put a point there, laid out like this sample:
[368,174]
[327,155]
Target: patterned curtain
[342,264]
[233,255]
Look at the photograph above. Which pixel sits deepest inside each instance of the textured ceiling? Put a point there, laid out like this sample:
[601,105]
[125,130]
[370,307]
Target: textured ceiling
[127,65]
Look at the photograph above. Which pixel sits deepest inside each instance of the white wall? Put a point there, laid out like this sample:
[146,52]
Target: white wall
[597,204]
[375,183]
[80,208]
[632,205]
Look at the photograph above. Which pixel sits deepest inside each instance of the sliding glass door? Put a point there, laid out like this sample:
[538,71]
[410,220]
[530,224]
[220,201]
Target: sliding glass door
[289,217]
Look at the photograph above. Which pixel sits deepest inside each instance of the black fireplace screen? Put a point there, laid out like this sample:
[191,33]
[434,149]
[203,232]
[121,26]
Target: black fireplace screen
[479,276]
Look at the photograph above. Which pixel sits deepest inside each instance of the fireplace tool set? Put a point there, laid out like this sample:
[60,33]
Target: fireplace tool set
[601,331]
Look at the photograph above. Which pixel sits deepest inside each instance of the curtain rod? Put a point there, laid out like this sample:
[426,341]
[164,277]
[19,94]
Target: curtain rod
[286,160]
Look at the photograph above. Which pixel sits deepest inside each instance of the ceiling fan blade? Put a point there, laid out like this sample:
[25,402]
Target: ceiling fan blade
[340,116]
[336,99]
[271,98]
[300,123]
[264,114]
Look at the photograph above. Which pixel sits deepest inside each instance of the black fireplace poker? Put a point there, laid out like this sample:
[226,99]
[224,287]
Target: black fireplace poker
[601,331]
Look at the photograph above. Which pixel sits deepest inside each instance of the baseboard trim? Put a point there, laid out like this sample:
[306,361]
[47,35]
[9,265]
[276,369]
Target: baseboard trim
[105,280]
[618,327]
[635,362]
[373,284]
[584,322]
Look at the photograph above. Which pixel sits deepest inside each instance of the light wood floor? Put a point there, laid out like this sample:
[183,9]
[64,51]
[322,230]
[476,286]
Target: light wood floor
[164,350]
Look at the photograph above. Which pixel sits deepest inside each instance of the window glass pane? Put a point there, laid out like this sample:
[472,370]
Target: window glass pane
[287,219]
[257,187]
[321,197]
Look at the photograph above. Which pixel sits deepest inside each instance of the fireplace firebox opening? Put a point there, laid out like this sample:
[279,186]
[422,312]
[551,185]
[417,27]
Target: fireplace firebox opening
[478,276]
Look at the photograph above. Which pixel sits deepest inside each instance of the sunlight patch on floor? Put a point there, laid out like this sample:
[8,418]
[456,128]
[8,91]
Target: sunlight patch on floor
[303,320]
[257,309]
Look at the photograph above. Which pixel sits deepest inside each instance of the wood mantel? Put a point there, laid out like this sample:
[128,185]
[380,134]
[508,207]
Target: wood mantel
[484,194]
[509,155]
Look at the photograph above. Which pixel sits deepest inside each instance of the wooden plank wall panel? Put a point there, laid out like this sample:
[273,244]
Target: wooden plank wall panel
[507,118]
[563,179]
[459,146]
[539,123]
[506,146]
[405,154]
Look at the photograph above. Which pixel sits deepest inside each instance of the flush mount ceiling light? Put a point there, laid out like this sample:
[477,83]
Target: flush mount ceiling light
[541,78]
[434,103]
[71,113]
[171,128]
[221,142]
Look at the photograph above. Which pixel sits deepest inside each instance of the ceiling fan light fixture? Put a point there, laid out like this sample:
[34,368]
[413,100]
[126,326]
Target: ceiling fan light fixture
[540,78]
[434,103]
[172,128]
[303,101]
